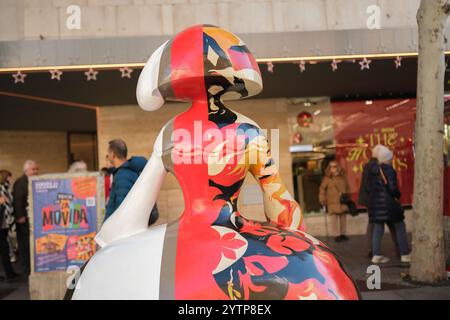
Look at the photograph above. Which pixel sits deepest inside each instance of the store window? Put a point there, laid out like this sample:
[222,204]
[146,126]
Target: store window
[346,131]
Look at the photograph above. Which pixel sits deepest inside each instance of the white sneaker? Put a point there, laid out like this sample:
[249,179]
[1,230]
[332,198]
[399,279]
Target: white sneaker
[379,259]
[406,258]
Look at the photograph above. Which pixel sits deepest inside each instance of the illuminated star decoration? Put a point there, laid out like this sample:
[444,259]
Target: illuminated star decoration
[56,74]
[334,64]
[398,62]
[365,64]
[91,74]
[302,66]
[19,77]
[270,66]
[126,72]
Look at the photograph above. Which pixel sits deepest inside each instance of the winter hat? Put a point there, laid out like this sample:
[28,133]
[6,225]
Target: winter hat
[382,153]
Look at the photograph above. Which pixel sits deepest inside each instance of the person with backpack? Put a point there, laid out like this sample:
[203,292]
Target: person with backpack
[383,204]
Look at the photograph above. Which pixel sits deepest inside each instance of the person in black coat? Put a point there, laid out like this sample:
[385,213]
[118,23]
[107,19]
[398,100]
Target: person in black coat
[363,200]
[20,204]
[383,203]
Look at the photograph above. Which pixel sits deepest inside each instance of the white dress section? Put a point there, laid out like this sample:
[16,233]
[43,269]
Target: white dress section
[128,269]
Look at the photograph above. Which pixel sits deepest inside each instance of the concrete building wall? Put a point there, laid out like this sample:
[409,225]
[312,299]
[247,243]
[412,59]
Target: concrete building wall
[49,149]
[139,129]
[23,19]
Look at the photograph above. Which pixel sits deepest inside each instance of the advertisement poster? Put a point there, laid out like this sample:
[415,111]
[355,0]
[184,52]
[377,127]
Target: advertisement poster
[64,221]
[360,125]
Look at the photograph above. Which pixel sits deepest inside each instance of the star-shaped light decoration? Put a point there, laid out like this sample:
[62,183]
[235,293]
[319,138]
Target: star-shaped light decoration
[91,74]
[398,62]
[19,77]
[56,74]
[302,66]
[126,72]
[270,66]
[365,64]
[334,64]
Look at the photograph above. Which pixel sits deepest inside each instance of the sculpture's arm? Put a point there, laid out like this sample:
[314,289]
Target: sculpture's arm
[279,205]
[133,214]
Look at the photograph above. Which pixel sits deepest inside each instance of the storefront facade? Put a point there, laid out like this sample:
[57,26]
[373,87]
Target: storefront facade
[305,50]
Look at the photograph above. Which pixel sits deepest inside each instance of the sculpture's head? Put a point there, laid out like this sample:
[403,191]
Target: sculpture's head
[200,61]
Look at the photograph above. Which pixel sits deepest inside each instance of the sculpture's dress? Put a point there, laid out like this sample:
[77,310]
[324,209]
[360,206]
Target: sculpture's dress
[212,251]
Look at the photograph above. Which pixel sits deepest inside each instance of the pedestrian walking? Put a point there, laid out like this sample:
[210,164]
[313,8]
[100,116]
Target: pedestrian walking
[363,200]
[384,205]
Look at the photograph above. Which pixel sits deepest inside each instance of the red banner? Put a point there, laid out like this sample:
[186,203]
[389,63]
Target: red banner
[360,125]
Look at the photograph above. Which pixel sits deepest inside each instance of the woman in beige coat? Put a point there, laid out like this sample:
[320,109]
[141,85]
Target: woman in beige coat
[333,185]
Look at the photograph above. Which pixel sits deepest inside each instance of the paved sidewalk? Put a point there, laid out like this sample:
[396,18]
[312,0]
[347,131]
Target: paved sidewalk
[17,290]
[421,293]
[354,257]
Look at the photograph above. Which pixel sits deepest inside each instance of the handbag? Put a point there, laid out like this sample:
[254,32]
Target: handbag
[395,208]
[347,200]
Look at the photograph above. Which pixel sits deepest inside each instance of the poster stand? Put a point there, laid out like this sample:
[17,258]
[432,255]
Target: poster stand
[62,203]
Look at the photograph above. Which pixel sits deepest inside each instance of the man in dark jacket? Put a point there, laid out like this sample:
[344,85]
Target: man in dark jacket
[125,174]
[20,204]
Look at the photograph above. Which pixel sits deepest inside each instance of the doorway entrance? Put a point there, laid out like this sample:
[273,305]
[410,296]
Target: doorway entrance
[83,146]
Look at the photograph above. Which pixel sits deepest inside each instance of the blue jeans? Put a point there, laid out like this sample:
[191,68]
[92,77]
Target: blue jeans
[400,232]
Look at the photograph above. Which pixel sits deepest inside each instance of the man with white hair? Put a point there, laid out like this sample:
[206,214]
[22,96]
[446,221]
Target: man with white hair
[20,203]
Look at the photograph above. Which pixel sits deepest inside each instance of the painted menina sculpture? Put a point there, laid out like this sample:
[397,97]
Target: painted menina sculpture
[211,251]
